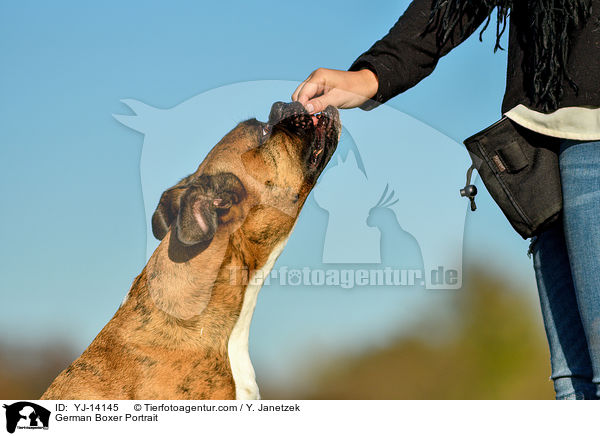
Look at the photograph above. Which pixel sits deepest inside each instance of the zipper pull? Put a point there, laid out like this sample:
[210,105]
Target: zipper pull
[470,191]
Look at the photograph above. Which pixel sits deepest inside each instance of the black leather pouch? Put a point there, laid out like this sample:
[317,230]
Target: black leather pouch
[519,168]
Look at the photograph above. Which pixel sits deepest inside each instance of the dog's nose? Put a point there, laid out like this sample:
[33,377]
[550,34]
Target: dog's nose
[276,112]
[281,110]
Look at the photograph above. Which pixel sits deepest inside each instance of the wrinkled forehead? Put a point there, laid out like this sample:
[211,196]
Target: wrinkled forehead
[244,137]
[226,157]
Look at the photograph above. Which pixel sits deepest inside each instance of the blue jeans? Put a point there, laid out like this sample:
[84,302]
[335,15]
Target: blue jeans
[567,266]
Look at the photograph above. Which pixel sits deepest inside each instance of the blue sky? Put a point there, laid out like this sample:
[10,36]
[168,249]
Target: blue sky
[72,226]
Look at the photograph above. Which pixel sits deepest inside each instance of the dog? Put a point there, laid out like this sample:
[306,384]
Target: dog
[182,332]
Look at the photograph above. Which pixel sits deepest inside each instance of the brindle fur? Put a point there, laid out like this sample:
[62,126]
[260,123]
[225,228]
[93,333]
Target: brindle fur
[146,352]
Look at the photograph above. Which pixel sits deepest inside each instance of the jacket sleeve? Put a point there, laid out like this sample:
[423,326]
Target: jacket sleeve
[410,51]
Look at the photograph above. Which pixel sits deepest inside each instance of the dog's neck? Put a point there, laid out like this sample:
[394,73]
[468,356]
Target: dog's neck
[203,303]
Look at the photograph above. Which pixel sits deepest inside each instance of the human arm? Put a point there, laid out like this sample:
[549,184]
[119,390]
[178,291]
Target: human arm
[406,55]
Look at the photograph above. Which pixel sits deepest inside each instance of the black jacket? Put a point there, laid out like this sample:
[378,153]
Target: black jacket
[405,56]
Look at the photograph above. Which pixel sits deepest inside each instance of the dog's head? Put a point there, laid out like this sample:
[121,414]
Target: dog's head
[255,179]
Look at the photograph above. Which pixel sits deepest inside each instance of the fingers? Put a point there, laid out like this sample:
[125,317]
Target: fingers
[334,97]
[316,104]
[310,90]
[297,91]
[313,86]
[324,87]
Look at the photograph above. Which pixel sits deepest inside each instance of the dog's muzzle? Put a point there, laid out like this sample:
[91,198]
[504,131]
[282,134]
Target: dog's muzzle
[319,133]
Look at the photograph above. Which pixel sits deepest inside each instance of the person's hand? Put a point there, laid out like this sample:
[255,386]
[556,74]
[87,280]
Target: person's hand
[342,89]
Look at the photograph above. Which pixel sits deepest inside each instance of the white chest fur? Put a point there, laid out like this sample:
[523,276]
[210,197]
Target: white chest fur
[237,347]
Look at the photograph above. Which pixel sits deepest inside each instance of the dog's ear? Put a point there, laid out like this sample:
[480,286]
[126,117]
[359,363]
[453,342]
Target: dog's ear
[207,199]
[194,209]
[168,208]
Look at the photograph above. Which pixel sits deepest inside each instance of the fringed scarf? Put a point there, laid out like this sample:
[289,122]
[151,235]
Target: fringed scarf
[544,29]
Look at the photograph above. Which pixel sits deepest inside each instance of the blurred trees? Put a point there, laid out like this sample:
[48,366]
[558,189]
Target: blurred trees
[492,347]
[497,350]
[26,370]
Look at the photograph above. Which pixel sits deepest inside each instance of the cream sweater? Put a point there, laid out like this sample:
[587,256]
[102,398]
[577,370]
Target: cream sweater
[580,123]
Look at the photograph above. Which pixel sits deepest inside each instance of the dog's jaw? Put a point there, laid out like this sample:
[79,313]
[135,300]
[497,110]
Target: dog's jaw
[237,347]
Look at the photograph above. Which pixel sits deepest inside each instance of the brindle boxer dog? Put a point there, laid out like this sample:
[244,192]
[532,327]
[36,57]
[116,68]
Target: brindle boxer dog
[182,332]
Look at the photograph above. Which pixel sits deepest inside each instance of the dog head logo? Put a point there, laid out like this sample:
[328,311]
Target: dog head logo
[379,148]
[26,415]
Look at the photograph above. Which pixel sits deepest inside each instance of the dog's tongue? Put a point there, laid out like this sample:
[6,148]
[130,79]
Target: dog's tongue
[315,120]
